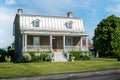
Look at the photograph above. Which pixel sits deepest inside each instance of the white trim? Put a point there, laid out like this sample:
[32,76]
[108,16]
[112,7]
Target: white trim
[51,42]
[64,43]
[25,42]
[81,42]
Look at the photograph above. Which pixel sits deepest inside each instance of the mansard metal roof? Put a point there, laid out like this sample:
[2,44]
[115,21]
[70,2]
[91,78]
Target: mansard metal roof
[50,23]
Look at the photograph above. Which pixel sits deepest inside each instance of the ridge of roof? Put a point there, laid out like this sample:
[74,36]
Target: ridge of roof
[37,15]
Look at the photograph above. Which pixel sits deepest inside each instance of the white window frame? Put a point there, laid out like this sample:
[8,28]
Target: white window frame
[69,25]
[36,23]
[36,41]
[69,41]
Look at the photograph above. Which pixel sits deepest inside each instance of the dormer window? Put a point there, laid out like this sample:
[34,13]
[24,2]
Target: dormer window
[36,23]
[69,25]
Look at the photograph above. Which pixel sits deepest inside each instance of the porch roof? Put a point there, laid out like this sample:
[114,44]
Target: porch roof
[54,33]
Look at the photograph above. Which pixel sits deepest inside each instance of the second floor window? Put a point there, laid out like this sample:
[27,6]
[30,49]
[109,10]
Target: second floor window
[69,25]
[36,23]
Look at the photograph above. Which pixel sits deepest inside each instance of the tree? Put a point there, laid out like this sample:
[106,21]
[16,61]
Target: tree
[116,40]
[103,35]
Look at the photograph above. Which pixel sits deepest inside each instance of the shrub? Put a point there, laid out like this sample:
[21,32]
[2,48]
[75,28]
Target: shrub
[26,57]
[43,57]
[8,59]
[40,56]
[85,55]
[32,53]
[75,54]
[3,53]
[11,53]
[49,56]
[80,55]
[37,56]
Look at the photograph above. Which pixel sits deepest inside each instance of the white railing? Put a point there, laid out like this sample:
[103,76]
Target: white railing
[75,48]
[38,48]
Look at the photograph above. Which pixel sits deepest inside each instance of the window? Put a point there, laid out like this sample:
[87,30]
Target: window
[69,25]
[69,41]
[36,41]
[36,23]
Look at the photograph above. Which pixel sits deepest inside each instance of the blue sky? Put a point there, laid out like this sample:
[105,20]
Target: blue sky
[91,11]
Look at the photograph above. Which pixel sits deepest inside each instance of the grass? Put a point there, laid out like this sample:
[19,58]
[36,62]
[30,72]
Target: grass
[8,70]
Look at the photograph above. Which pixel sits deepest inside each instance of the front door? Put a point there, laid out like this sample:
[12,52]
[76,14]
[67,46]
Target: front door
[54,43]
[57,43]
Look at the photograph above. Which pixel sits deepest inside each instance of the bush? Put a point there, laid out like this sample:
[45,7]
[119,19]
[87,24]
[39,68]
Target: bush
[41,56]
[80,55]
[49,56]
[26,57]
[32,53]
[85,55]
[8,59]
[37,57]
[11,53]
[75,54]
[3,54]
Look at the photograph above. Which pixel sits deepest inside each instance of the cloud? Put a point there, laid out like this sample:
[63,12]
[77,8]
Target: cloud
[10,2]
[6,21]
[114,10]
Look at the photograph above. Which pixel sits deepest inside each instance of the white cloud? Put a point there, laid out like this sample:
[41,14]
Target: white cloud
[10,2]
[6,21]
[114,10]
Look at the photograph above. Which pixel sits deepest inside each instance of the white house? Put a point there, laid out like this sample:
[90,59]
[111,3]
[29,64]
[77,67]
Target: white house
[48,33]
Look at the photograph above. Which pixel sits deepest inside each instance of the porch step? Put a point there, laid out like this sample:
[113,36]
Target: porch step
[59,57]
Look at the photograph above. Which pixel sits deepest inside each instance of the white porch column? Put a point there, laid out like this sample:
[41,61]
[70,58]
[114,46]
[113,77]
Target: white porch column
[51,42]
[81,42]
[25,42]
[86,42]
[64,43]
[23,48]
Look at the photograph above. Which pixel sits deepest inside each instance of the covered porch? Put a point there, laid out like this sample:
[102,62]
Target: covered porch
[54,43]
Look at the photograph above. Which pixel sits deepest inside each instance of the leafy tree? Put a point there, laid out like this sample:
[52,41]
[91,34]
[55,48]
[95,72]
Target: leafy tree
[116,40]
[103,35]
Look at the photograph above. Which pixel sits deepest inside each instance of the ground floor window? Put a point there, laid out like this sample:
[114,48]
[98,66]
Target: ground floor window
[36,40]
[69,41]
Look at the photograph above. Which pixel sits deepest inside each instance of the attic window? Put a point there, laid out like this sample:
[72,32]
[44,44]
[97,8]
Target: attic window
[36,23]
[69,25]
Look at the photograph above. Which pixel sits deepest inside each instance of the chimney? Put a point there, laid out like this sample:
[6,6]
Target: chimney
[20,11]
[69,14]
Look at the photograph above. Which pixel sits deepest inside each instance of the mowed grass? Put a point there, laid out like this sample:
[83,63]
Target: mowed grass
[8,70]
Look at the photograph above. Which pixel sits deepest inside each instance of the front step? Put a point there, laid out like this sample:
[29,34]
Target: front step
[59,57]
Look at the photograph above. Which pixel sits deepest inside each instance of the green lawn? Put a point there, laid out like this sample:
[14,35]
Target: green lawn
[44,68]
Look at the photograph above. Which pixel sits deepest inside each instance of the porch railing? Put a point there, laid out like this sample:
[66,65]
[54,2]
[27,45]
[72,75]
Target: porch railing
[38,48]
[75,48]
